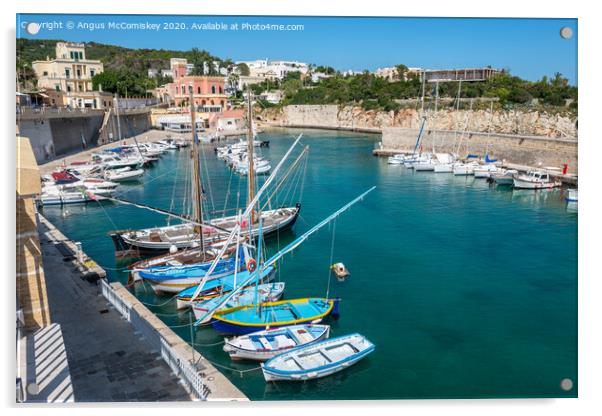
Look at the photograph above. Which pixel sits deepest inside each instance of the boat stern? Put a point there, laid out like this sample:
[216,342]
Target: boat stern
[335,307]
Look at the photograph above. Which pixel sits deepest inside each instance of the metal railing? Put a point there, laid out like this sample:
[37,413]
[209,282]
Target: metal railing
[178,364]
[123,307]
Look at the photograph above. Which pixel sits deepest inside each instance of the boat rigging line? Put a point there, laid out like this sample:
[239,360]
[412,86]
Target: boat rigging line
[164,212]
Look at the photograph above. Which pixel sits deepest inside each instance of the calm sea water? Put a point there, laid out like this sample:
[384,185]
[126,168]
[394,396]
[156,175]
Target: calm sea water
[466,290]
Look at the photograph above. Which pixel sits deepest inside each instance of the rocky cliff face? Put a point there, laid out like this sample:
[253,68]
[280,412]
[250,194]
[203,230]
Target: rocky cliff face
[532,123]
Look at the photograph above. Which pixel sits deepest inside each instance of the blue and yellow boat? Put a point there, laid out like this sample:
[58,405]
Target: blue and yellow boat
[242,320]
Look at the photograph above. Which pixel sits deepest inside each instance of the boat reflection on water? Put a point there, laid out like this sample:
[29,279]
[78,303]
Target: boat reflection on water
[73,210]
[537,196]
[572,207]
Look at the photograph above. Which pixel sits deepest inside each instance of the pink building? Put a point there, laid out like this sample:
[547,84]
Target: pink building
[208,91]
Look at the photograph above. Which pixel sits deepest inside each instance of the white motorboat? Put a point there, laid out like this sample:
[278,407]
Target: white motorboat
[124,175]
[317,359]
[439,162]
[504,177]
[396,159]
[116,162]
[73,180]
[259,170]
[485,171]
[266,344]
[535,179]
[464,169]
[56,196]
[428,165]
[412,160]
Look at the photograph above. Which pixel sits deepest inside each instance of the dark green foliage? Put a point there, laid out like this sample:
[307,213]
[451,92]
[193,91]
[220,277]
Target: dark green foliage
[373,92]
[129,65]
[243,69]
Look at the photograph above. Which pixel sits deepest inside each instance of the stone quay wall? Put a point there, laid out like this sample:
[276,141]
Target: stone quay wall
[54,134]
[529,138]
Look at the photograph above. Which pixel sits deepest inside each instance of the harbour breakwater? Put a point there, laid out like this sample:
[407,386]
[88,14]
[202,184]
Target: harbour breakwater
[528,138]
[54,133]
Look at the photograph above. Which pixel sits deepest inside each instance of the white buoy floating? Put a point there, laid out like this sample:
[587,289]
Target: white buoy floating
[173,249]
[340,271]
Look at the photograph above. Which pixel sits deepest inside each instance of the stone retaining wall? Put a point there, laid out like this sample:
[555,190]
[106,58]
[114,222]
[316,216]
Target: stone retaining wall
[531,123]
[523,150]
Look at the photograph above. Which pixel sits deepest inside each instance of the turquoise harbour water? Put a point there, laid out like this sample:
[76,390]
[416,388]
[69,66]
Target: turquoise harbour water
[468,291]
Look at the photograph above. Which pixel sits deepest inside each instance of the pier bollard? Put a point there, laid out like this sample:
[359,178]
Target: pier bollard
[79,252]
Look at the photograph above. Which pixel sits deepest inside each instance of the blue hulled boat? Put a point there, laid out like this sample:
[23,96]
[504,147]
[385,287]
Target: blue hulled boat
[267,292]
[172,279]
[222,285]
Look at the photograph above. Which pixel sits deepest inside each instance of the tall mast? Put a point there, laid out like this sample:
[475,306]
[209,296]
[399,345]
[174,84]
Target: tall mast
[197,193]
[251,162]
[117,114]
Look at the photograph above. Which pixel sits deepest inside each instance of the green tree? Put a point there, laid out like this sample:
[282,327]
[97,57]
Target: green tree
[243,69]
[402,70]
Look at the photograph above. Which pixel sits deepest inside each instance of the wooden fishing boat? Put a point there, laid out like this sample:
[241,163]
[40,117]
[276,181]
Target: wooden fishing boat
[535,179]
[177,258]
[317,360]
[221,286]
[264,345]
[251,318]
[172,279]
[267,292]
[161,239]
[246,319]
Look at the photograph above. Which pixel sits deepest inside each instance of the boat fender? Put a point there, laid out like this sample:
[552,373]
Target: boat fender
[251,265]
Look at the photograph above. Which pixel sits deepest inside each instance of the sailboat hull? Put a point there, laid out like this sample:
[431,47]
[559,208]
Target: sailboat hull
[152,241]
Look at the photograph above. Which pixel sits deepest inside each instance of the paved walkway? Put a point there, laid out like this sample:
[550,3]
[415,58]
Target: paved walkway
[106,359]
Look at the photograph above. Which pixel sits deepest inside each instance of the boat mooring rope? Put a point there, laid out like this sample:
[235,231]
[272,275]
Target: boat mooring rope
[194,344]
[241,372]
[334,230]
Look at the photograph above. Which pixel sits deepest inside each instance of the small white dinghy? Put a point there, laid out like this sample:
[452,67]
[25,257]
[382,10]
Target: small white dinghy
[317,360]
[266,344]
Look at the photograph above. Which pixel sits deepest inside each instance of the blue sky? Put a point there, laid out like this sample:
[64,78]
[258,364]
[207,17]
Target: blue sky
[530,48]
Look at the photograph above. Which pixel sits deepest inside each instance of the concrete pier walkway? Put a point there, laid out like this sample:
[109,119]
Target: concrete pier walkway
[100,356]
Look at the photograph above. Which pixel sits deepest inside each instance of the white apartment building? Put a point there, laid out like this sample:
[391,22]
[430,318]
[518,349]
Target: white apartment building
[274,69]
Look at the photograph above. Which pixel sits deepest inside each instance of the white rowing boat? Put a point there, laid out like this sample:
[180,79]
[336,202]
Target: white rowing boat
[317,360]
